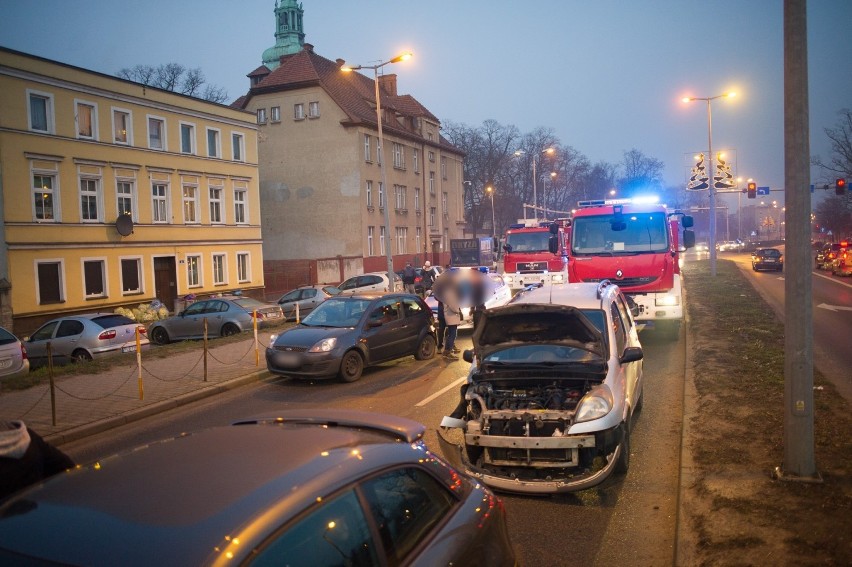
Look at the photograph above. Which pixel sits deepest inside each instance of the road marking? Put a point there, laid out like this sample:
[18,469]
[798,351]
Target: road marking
[831,279]
[834,307]
[441,392]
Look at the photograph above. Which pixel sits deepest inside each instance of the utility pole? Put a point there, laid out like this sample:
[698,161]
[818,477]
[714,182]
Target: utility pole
[799,463]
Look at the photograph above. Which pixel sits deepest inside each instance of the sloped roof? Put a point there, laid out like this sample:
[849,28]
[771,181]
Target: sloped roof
[353,92]
[262,70]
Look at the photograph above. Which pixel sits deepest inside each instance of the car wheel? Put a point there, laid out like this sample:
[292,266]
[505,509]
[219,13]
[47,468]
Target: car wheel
[753,267]
[426,348]
[351,366]
[229,329]
[160,336]
[623,462]
[81,355]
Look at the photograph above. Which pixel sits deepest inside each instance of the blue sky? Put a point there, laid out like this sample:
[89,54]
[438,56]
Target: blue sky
[606,76]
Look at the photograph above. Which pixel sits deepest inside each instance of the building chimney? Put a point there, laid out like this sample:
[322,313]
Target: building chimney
[388,83]
[340,62]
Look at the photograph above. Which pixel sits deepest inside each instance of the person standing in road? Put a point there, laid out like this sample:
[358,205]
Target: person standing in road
[408,277]
[428,277]
[452,316]
[26,458]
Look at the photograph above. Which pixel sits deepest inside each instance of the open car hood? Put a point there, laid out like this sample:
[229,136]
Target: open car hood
[525,323]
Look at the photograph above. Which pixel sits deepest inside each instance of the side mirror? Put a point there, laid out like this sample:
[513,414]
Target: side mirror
[686,221]
[507,247]
[553,244]
[467,356]
[688,238]
[631,354]
[554,228]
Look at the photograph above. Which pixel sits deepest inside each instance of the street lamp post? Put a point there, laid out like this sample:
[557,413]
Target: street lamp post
[544,191]
[548,151]
[490,191]
[711,182]
[380,154]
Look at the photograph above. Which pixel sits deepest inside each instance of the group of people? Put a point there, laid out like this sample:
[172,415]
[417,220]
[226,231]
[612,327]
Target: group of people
[409,277]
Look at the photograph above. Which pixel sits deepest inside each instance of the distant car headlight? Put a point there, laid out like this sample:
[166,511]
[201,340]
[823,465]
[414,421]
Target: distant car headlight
[667,300]
[594,405]
[324,345]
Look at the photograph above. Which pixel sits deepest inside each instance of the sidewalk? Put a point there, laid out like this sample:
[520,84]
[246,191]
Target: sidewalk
[89,404]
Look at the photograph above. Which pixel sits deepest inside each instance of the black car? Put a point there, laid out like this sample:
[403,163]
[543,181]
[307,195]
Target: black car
[767,259]
[346,333]
[301,488]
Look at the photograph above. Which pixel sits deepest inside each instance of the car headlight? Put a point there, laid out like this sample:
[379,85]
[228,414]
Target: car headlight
[272,338]
[594,405]
[324,345]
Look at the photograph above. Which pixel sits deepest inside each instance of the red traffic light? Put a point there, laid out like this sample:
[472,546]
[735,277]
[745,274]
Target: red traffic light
[752,190]
[840,186]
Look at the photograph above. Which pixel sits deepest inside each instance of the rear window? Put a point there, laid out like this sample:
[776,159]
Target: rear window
[248,303]
[6,337]
[108,321]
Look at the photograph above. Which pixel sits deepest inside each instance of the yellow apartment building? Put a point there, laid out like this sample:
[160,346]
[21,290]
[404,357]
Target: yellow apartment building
[320,182]
[114,194]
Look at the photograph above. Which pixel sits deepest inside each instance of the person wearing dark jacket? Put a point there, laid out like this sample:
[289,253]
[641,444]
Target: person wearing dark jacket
[26,458]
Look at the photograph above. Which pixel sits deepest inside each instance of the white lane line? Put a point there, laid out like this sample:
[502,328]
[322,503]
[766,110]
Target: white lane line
[441,392]
[831,279]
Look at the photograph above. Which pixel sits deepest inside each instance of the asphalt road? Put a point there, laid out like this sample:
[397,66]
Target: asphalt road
[631,521]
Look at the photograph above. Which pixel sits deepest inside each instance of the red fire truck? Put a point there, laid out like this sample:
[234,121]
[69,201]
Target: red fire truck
[535,252]
[636,244]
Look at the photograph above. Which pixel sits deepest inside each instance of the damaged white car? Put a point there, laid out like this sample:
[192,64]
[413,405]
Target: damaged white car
[555,380]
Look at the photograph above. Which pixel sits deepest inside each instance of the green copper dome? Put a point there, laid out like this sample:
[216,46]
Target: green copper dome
[289,32]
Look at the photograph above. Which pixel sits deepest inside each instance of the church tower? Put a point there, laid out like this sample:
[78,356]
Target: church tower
[289,33]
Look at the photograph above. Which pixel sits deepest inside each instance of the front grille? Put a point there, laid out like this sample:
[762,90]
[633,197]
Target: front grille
[531,267]
[626,282]
[290,348]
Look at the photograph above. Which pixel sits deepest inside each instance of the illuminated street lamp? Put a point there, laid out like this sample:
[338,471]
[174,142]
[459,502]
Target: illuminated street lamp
[490,192]
[548,151]
[380,152]
[711,181]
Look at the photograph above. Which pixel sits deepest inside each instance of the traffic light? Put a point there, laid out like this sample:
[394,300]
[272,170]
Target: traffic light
[752,190]
[839,186]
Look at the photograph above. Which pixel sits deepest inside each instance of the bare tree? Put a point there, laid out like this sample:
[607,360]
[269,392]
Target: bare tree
[641,174]
[176,78]
[832,214]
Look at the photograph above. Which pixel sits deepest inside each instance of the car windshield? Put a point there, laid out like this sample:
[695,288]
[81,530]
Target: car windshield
[337,312]
[528,241]
[629,232]
[331,289]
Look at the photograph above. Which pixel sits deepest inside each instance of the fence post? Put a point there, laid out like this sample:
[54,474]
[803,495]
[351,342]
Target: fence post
[256,350]
[139,364]
[205,349]
[52,383]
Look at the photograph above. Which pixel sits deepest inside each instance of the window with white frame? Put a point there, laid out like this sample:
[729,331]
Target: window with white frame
[40,111]
[50,281]
[370,235]
[418,239]
[416,158]
[243,272]
[261,116]
[299,111]
[213,143]
[400,191]
[90,199]
[159,202]
[443,167]
[121,126]
[381,240]
[215,193]
[417,199]
[219,269]
[86,119]
[44,196]
[369,192]
[131,275]
[379,151]
[401,238]
[313,109]
[240,204]
[432,156]
[430,136]
[94,282]
[156,133]
[445,240]
[444,203]
[381,195]
[238,145]
[398,156]
[432,212]
[367,147]
[190,203]
[193,270]
[187,138]
[275,113]
[431,182]
[125,197]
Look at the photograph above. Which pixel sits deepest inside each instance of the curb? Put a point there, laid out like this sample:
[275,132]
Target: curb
[684,545]
[83,431]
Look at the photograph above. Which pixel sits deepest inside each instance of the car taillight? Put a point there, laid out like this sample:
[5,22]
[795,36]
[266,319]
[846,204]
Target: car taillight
[107,335]
[142,330]
[23,352]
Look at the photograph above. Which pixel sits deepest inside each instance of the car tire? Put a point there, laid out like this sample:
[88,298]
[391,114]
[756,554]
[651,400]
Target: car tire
[81,355]
[229,329]
[159,336]
[426,349]
[351,366]
[623,463]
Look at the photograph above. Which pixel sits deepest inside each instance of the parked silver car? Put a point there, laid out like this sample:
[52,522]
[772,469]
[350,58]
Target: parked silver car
[84,337]
[13,356]
[373,281]
[303,488]
[305,298]
[555,380]
[227,315]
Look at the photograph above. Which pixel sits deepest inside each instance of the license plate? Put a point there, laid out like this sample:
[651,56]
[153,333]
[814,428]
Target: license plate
[128,348]
[288,360]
